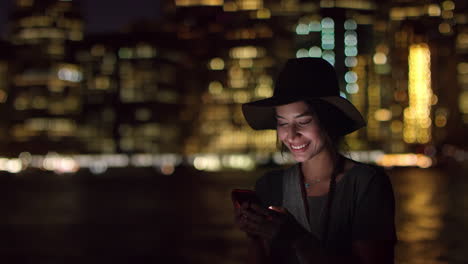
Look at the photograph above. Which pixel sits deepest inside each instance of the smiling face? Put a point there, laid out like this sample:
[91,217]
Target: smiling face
[299,130]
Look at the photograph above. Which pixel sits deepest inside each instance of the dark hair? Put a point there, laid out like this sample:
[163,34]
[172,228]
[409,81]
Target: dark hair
[333,143]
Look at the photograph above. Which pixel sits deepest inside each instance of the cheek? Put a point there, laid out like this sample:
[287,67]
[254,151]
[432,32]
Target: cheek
[281,134]
[313,134]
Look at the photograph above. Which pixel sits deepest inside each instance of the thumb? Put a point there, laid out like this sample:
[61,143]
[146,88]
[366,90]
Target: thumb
[278,209]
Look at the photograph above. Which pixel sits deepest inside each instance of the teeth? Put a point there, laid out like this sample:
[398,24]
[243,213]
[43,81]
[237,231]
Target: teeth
[298,147]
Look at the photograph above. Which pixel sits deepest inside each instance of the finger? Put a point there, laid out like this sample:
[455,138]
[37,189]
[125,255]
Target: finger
[260,210]
[278,209]
[254,217]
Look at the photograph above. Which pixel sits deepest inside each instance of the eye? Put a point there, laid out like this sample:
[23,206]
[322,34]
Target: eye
[305,122]
[280,124]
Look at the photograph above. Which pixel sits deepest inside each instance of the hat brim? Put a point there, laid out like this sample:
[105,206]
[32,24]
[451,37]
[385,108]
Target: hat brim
[260,114]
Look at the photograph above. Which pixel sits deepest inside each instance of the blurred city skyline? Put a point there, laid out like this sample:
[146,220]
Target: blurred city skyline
[174,84]
[100,16]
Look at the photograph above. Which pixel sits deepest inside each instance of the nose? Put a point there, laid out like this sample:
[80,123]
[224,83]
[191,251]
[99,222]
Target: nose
[293,133]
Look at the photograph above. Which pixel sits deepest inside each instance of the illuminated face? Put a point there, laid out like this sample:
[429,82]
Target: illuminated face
[299,130]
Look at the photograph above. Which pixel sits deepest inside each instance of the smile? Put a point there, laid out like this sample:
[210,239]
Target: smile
[300,147]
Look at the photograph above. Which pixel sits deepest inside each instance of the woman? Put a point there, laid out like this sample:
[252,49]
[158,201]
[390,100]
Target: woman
[326,208]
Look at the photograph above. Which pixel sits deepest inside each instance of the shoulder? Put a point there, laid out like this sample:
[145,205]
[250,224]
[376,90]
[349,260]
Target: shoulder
[369,178]
[363,172]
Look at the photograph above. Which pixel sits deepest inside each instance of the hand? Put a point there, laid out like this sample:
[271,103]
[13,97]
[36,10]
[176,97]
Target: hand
[240,219]
[273,224]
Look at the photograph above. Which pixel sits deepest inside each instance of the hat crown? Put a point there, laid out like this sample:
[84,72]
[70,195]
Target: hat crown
[307,77]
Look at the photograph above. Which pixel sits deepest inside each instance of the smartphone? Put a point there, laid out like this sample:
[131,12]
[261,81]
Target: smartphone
[240,196]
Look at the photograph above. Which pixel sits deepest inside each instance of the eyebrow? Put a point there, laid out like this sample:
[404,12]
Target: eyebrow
[307,113]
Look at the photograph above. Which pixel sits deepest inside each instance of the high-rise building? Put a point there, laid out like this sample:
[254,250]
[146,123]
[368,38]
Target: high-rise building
[459,118]
[133,92]
[5,57]
[424,73]
[343,33]
[45,90]
[231,46]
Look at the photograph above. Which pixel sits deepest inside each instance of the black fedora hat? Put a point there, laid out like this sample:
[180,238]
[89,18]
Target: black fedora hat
[312,80]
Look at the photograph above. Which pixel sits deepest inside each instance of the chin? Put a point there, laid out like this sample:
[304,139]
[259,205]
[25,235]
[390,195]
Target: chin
[300,158]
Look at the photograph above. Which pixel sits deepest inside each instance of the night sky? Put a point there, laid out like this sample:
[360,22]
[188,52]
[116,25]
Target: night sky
[101,15]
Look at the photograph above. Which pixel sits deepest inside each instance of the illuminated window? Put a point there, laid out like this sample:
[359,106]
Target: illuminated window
[329,56]
[462,41]
[463,102]
[351,62]
[417,126]
[69,72]
[350,38]
[445,28]
[246,63]
[383,115]
[302,53]
[448,5]
[263,13]
[215,87]
[302,29]
[126,53]
[249,4]
[350,24]
[247,52]
[433,10]
[102,82]
[145,51]
[315,52]
[315,26]
[216,64]
[39,102]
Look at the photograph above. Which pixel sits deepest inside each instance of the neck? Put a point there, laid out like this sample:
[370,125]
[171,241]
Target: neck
[319,167]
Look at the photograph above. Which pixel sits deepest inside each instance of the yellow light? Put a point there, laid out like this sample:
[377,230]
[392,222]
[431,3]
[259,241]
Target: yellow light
[433,10]
[3,96]
[216,64]
[440,121]
[102,82]
[396,126]
[448,5]
[212,2]
[241,97]
[246,52]
[230,7]
[263,13]
[249,4]
[215,87]
[380,58]
[445,28]
[264,90]
[462,68]
[463,102]
[167,169]
[417,126]
[246,63]
[397,13]
[447,14]
[404,160]
[383,115]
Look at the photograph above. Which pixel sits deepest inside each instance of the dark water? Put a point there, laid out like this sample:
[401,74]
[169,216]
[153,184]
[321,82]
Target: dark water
[140,216]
